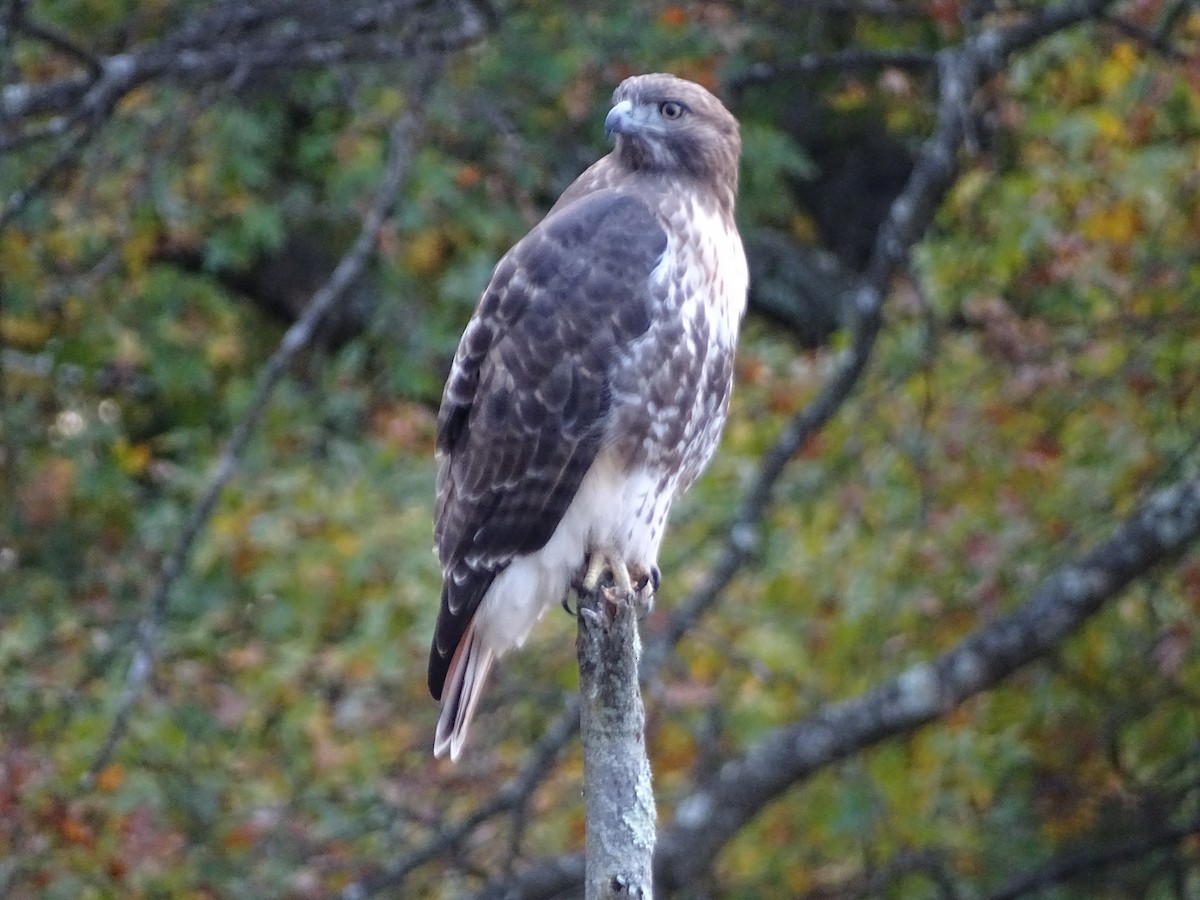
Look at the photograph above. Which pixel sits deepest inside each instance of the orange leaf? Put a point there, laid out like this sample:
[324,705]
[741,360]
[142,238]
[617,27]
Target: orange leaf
[468,175]
[75,831]
[111,777]
[673,17]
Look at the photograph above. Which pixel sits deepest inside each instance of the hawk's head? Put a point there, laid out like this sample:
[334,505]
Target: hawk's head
[675,127]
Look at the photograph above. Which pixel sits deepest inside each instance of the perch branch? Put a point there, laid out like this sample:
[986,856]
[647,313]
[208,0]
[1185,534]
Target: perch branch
[618,796]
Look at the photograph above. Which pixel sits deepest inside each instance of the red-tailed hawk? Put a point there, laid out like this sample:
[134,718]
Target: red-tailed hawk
[591,385]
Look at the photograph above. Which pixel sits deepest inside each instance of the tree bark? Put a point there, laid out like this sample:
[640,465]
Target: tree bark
[618,795]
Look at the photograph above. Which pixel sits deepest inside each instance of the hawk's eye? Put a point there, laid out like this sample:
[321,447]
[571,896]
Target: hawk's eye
[670,109]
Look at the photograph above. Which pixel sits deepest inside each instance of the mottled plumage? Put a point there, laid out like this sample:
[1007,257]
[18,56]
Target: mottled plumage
[591,385]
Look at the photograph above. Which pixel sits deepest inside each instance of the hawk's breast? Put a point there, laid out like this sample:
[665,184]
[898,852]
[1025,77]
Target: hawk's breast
[671,387]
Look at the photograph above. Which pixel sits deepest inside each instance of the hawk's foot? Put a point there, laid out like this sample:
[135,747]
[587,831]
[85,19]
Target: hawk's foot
[599,562]
[605,570]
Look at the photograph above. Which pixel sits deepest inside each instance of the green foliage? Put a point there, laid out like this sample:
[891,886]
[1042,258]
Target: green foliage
[769,159]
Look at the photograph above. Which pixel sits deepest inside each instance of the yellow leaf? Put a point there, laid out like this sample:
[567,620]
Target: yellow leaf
[426,252]
[1117,68]
[853,96]
[111,777]
[16,257]
[1110,126]
[136,251]
[224,351]
[1117,224]
[24,332]
[803,229]
[132,458]
[346,544]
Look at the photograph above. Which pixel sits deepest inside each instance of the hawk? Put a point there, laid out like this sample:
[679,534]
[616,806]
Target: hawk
[590,386]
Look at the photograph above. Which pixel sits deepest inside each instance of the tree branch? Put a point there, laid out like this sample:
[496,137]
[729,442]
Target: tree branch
[908,217]
[1094,859]
[241,39]
[298,336]
[1159,42]
[66,157]
[1158,532]
[617,790]
[63,44]
[961,70]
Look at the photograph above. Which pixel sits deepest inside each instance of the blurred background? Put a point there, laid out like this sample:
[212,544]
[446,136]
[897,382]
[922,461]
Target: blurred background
[179,179]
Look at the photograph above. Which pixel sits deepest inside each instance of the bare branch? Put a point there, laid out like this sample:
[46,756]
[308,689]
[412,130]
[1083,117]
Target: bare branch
[63,44]
[1158,532]
[961,71]
[545,880]
[908,217]
[298,336]
[882,9]
[66,157]
[1095,859]
[243,39]
[618,794]
[1159,42]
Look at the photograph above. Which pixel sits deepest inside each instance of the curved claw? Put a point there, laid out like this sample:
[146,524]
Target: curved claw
[645,603]
[645,586]
[566,605]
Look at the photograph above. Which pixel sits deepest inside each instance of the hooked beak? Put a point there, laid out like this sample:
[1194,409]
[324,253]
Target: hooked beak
[619,119]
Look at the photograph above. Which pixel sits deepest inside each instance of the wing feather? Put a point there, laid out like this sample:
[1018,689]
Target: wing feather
[525,407]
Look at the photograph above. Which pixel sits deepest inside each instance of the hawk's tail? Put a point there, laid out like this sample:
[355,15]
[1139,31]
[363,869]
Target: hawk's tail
[464,683]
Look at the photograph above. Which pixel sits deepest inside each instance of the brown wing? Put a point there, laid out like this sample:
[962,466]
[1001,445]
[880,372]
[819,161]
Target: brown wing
[526,402]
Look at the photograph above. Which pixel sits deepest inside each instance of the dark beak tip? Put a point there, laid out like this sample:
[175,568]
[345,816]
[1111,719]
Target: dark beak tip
[616,122]
[612,125]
